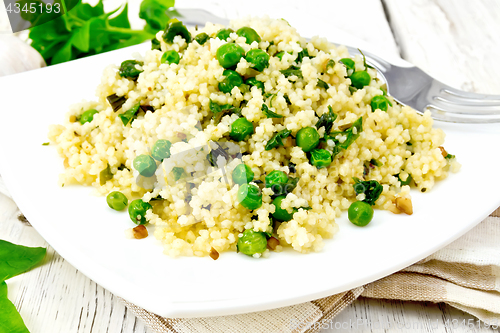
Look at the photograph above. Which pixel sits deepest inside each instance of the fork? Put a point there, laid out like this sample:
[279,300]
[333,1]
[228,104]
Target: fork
[407,85]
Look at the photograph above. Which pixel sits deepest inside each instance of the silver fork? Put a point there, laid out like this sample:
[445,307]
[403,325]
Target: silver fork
[412,86]
[408,85]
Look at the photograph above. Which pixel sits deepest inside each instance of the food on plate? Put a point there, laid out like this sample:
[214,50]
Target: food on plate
[249,139]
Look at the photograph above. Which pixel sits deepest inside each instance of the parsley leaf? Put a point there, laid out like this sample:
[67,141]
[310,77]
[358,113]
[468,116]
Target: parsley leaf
[129,115]
[86,30]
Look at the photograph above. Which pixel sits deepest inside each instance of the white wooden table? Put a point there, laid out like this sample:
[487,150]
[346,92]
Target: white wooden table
[457,42]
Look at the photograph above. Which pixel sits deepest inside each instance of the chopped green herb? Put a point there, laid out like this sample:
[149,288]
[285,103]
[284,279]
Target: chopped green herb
[201,38]
[371,188]
[405,182]
[116,102]
[292,71]
[352,89]
[375,162]
[105,175]
[364,60]
[277,139]
[449,156]
[327,119]
[351,134]
[178,173]
[45,143]
[129,115]
[330,64]
[322,84]
[219,111]
[155,44]
[269,113]
[303,54]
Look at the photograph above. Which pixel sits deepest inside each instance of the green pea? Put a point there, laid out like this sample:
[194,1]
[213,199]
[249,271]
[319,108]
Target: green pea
[249,34]
[201,38]
[255,83]
[281,214]
[223,34]
[232,79]
[241,128]
[229,55]
[307,138]
[170,57]
[137,211]
[249,196]
[161,150]
[87,116]
[145,165]
[129,70]
[348,63]
[407,181]
[117,200]
[258,58]
[380,102]
[320,158]
[242,174]
[360,79]
[360,213]
[252,242]
[277,181]
[176,28]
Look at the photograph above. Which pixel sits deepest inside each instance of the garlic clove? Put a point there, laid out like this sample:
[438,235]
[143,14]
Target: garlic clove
[16,56]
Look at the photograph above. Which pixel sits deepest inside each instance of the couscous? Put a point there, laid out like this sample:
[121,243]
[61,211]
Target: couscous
[249,139]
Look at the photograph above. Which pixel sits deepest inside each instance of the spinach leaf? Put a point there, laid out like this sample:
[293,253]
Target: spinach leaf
[371,188]
[269,113]
[351,134]
[10,319]
[327,120]
[17,259]
[219,111]
[277,139]
[291,71]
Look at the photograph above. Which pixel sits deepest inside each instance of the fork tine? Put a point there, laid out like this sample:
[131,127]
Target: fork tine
[459,96]
[465,108]
[446,115]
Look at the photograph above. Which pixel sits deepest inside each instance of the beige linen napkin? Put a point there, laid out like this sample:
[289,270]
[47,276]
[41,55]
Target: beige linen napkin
[465,275]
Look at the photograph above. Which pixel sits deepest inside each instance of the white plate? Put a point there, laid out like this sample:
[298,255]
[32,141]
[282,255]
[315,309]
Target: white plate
[90,236]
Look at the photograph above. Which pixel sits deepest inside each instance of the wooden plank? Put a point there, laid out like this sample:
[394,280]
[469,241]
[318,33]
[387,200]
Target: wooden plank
[456,42]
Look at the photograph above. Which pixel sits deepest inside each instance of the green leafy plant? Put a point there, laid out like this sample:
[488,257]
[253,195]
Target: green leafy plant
[83,30]
[14,260]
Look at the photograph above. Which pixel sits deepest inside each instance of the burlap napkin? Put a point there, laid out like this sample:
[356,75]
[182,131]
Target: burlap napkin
[465,275]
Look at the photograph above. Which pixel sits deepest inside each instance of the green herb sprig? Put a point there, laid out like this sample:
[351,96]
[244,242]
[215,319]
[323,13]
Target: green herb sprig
[84,30]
